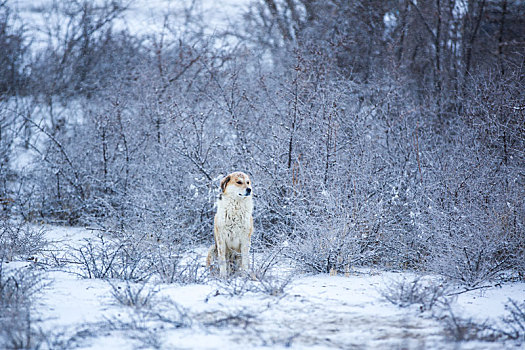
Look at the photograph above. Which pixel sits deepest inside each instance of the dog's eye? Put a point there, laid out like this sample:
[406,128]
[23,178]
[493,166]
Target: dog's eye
[239,182]
[248,183]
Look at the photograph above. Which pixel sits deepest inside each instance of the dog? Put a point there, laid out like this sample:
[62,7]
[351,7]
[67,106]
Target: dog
[233,225]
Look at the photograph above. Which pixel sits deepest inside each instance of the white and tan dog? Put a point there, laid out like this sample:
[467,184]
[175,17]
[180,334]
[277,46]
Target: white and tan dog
[233,225]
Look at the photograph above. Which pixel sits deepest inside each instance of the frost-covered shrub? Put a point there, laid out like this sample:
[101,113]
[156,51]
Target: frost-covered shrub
[84,51]
[473,253]
[135,295]
[475,215]
[515,320]
[108,257]
[426,293]
[329,241]
[20,240]
[467,329]
[142,323]
[137,259]
[176,263]
[262,277]
[128,159]
[18,289]
[13,57]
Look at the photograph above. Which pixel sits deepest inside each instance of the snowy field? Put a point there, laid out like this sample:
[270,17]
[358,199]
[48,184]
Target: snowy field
[142,17]
[310,312]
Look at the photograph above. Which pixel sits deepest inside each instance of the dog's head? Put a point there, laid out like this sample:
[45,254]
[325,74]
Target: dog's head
[236,185]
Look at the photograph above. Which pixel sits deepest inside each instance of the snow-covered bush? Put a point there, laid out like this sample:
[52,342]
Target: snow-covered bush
[515,320]
[14,41]
[108,257]
[426,293]
[329,241]
[20,240]
[465,329]
[142,322]
[135,258]
[137,295]
[18,290]
[83,51]
[476,212]
[177,263]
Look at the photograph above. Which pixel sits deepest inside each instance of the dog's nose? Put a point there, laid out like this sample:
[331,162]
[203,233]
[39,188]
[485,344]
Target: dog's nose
[248,191]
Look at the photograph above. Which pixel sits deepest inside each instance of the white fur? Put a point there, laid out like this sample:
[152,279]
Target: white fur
[233,225]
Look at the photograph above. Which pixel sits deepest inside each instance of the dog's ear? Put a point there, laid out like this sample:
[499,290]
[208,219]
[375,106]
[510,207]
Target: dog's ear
[224,183]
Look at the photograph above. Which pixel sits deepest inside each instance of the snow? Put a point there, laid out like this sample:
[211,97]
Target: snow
[143,17]
[73,301]
[315,311]
[488,303]
[149,14]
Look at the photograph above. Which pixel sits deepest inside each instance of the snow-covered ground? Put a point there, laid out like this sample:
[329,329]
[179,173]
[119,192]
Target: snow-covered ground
[314,312]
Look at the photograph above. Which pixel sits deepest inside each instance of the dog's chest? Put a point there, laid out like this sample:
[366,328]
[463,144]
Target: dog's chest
[234,220]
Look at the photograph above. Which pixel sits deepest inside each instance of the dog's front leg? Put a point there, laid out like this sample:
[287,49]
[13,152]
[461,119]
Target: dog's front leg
[221,255]
[221,246]
[245,255]
[245,247]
